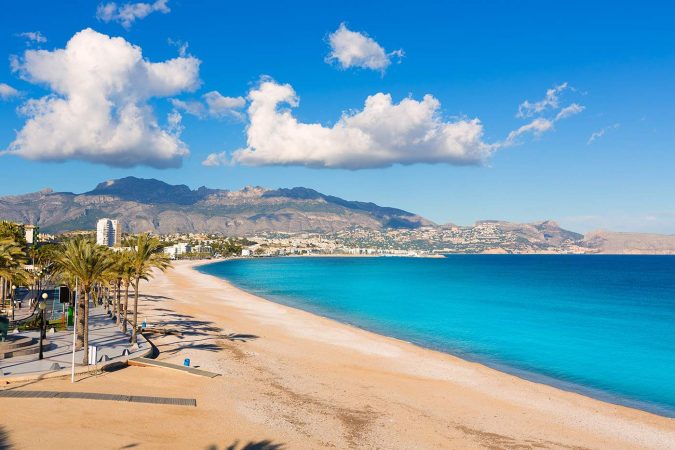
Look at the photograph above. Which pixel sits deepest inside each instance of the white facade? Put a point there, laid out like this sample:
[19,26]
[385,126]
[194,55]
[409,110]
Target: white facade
[200,248]
[245,252]
[177,249]
[31,233]
[108,233]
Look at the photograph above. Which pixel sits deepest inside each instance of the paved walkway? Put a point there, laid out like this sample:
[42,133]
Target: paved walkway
[154,363]
[54,310]
[103,333]
[98,396]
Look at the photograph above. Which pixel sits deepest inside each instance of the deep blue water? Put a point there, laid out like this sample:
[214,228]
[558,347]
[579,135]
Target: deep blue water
[600,325]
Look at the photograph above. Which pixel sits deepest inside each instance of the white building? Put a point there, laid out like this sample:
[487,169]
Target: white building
[200,248]
[177,249]
[245,252]
[31,232]
[108,233]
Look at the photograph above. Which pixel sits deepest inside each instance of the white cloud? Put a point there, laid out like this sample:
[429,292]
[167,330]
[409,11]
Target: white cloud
[354,49]
[216,159]
[33,37]
[549,104]
[537,127]
[220,106]
[384,133]
[98,110]
[550,101]
[7,92]
[192,107]
[213,104]
[128,13]
[569,111]
[600,133]
[180,45]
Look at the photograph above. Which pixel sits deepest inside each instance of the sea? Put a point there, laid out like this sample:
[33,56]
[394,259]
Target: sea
[599,325]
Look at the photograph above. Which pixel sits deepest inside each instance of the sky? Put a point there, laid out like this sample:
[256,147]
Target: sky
[458,111]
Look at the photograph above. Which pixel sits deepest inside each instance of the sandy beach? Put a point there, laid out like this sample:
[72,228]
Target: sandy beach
[291,379]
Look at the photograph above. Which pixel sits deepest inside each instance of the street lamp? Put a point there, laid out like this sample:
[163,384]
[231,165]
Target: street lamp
[42,305]
[13,299]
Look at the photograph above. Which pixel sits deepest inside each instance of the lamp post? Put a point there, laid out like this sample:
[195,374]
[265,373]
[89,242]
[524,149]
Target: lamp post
[42,305]
[13,299]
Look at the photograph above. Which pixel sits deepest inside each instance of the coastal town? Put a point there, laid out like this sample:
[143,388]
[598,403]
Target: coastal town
[484,237]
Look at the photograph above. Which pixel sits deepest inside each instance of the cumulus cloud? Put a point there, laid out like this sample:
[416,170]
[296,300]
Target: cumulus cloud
[601,132]
[383,133]
[33,37]
[128,13]
[354,49]
[213,104]
[7,92]
[98,110]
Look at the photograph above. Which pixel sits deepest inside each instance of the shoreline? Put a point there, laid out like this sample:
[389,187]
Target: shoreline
[523,374]
[297,379]
[592,406]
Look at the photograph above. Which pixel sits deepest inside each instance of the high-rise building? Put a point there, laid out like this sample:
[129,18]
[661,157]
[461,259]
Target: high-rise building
[31,232]
[108,233]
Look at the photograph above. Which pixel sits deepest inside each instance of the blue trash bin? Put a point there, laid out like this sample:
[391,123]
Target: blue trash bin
[186,363]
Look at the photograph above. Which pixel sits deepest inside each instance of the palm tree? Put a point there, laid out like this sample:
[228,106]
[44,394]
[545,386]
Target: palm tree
[12,257]
[88,262]
[128,275]
[122,274]
[145,257]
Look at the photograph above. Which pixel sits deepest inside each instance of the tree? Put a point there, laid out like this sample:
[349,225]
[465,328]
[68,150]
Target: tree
[124,275]
[145,256]
[12,231]
[87,262]
[12,257]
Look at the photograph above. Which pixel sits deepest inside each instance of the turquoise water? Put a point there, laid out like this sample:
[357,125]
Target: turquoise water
[600,325]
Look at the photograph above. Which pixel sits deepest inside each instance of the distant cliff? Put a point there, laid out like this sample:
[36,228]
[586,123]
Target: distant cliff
[631,243]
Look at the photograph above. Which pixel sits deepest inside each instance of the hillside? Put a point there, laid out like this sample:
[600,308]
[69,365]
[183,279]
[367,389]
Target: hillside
[631,243]
[152,205]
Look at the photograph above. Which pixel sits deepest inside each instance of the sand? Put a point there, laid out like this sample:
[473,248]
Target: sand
[291,379]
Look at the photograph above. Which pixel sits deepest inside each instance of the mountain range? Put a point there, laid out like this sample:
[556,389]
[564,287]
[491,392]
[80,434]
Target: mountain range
[152,205]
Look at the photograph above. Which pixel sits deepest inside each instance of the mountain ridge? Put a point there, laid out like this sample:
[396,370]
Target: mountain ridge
[154,205]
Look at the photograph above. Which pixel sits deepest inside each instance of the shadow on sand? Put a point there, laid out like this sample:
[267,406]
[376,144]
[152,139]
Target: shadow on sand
[260,445]
[188,333]
[5,445]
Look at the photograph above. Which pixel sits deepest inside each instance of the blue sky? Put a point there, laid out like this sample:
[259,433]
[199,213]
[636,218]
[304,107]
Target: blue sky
[477,59]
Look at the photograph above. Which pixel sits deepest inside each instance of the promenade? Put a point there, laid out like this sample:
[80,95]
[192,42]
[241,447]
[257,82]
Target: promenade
[111,343]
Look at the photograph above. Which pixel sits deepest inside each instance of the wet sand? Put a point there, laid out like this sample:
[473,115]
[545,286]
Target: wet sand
[297,380]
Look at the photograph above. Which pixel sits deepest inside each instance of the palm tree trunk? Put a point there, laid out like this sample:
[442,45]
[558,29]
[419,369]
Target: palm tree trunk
[126,307]
[80,321]
[134,331]
[118,293]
